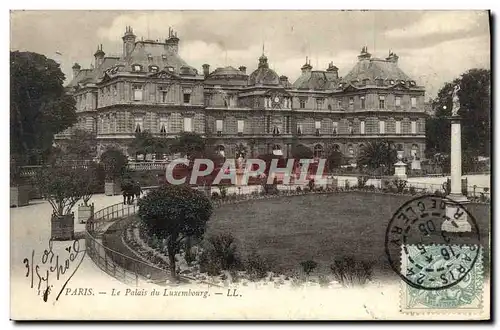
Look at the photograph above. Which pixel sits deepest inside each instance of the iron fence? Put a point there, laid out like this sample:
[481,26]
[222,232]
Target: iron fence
[122,267]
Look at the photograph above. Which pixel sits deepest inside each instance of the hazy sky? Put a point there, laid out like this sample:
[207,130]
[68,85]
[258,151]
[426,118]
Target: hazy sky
[433,46]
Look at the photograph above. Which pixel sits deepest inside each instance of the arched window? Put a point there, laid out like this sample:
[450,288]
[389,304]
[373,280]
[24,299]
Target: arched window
[350,150]
[318,151]
[360,148]
[276,130]
[137,68]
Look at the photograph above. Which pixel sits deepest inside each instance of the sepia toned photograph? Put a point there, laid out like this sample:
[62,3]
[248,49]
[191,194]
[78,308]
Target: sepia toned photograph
[250,165]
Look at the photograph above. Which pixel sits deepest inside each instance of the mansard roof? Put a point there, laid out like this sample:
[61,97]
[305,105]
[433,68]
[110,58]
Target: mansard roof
[316,80]
[373,69]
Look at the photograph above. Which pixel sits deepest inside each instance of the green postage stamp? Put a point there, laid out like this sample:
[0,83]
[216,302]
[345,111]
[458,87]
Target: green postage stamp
[442,278]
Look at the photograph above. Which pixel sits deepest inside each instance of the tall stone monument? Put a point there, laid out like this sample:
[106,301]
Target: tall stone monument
[457,220]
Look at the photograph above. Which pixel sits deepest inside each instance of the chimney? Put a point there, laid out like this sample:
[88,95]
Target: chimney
[76,69]
[392,57]
[306,67]
[364,55]
[128,41]
[332,68]
[99,56]
[172,43]
[243,69]
[206,70]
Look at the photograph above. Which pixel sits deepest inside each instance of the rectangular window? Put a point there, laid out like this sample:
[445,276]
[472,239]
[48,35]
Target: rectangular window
[362,127]
[299,129]
[218,125]
[413,102]
[398,127]
[287,124]
[164,96]
[339,104]
[187,98]
[163,125]
[335,127]
[317,124]
[363,102]
[268,124]
[241,126]
[138,125]
[381,102]
[381,126]
[137,93]
[351,103]
[398,101]
[413,127]
[188,124]
[319,104]
[302,103]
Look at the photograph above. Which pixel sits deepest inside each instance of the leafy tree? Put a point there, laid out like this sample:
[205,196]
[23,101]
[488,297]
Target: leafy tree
[475,111]
[114,162]
[39,106]
[82,145]
[188,143]
[62,186]
[300,151]
[175,212]
[145,143]
[334,158]
[378,154]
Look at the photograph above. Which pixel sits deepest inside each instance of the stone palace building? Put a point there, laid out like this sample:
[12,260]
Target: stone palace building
[150,87]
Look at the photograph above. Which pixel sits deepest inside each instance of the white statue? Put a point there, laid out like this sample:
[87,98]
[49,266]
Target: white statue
[456,101]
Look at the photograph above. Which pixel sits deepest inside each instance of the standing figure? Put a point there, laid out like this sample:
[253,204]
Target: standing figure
[456,101]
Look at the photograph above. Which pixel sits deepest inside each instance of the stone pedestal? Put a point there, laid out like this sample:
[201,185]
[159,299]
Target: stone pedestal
[19,195]
[458,220]
[400,168]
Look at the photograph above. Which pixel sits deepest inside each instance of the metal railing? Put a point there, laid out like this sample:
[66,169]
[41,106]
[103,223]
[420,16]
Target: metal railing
[125,268]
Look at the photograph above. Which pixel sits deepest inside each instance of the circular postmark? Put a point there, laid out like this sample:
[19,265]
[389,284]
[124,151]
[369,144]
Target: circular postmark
[421,253]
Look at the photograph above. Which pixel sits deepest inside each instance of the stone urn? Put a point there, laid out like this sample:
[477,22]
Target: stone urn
[400,167]
[62,227]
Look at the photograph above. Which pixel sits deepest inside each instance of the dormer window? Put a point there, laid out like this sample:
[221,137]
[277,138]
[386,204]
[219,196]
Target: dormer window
[150,57]
[153,68]
[391,82]
[170,68]
[136,68]
[412,83]
[163,57]
[402,82]
[341,85]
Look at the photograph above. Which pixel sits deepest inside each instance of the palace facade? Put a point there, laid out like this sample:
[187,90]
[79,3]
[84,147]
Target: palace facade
[150,87]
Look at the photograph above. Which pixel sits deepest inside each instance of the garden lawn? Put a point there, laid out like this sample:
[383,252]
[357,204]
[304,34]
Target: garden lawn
[320,227]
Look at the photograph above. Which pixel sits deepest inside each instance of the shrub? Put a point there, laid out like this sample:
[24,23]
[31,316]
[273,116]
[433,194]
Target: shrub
[209,265]
[215,195]
[223,191]
[447,187]
[174,212]
[412,190]
[311,184]
[298,189]
[351,272]
[371,187]
[405,191]
[320,188]
[223,251]
[399,185]
[346,185]
[257,266]
[308,266]
[362,180]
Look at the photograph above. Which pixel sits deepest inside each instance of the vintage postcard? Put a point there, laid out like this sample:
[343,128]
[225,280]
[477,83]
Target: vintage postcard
[250,165]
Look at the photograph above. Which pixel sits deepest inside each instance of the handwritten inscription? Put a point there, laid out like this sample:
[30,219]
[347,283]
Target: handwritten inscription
[51,267]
